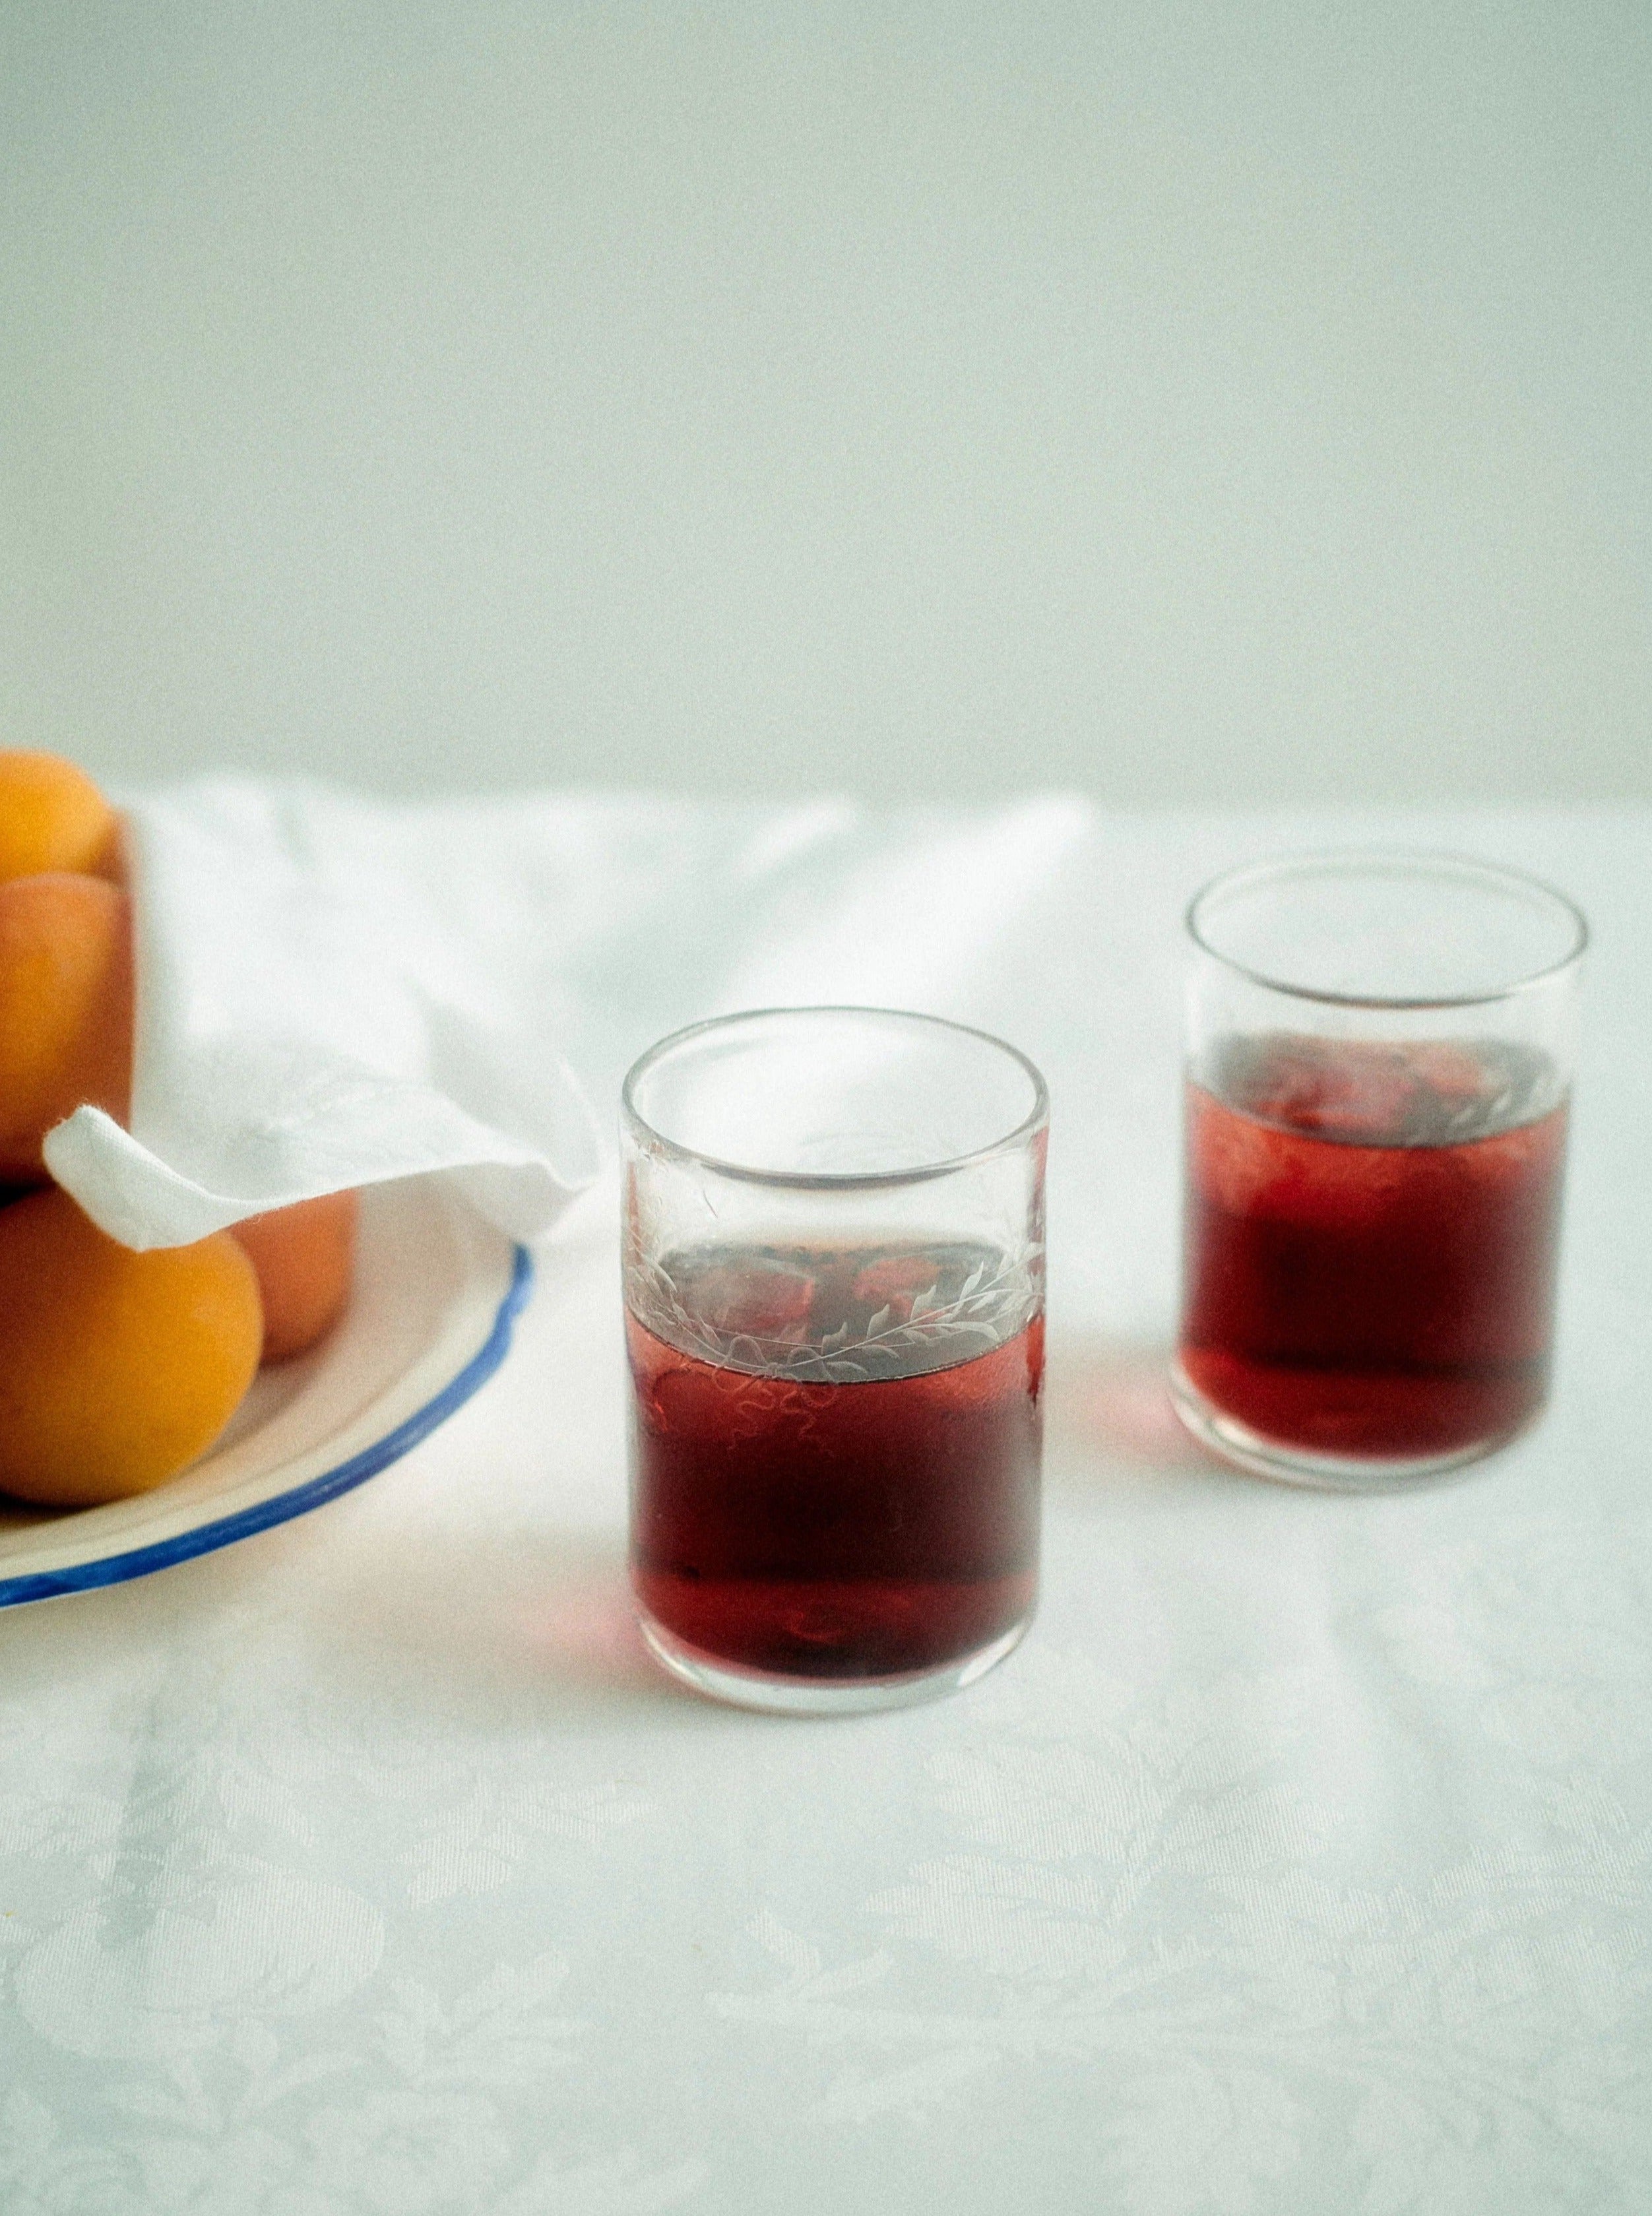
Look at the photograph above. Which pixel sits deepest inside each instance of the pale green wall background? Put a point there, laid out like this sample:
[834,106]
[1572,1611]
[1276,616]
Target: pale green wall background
[1191,400]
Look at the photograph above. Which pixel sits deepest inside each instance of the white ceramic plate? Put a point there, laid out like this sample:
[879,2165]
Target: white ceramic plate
[436,1295]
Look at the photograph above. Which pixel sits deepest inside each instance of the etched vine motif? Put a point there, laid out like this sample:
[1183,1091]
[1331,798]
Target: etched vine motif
[925,1325]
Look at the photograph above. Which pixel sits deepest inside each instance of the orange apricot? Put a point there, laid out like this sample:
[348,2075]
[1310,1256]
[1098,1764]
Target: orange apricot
[53,817]
[116,1369]
[65,1010]
[304,1256]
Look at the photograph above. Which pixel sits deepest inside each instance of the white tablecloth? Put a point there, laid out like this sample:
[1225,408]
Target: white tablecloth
[1301,1859]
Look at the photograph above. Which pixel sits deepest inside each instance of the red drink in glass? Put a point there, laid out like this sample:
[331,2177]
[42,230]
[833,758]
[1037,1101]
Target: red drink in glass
[1370,1242]
[833,1262]
[835,1462]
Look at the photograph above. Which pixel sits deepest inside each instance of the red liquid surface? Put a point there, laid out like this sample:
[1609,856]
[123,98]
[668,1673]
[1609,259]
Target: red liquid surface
[1370,1243]
[848,1530]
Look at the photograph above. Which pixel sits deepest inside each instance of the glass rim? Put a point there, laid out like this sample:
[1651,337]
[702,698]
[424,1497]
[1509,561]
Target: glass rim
[1397,861]
[1034,1121]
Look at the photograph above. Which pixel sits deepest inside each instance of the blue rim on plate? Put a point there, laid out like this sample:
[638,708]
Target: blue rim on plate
[206,1538]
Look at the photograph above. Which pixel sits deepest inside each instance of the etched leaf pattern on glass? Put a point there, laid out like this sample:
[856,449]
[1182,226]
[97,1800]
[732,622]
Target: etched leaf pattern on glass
[995,1301]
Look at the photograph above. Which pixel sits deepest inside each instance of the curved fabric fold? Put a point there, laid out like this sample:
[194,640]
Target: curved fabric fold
[313,1014]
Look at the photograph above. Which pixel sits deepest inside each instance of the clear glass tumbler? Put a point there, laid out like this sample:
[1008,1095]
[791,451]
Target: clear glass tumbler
[834,1282]
[1380,1060]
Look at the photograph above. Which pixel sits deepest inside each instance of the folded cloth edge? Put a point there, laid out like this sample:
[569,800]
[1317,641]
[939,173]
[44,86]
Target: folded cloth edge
[141,1202]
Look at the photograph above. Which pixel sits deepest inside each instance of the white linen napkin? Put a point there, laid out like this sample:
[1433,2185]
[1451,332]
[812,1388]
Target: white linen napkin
[333,990]
[310,1016]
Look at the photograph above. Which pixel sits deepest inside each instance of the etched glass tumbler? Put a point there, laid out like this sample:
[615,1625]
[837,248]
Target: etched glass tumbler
[1379,1062]
[834,1284]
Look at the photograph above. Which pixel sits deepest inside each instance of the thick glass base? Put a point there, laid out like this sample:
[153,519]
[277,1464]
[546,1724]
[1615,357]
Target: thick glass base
[818,1697]
[1236,1442]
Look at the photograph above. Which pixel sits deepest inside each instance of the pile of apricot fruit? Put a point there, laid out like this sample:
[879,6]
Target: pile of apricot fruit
[116,1369]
